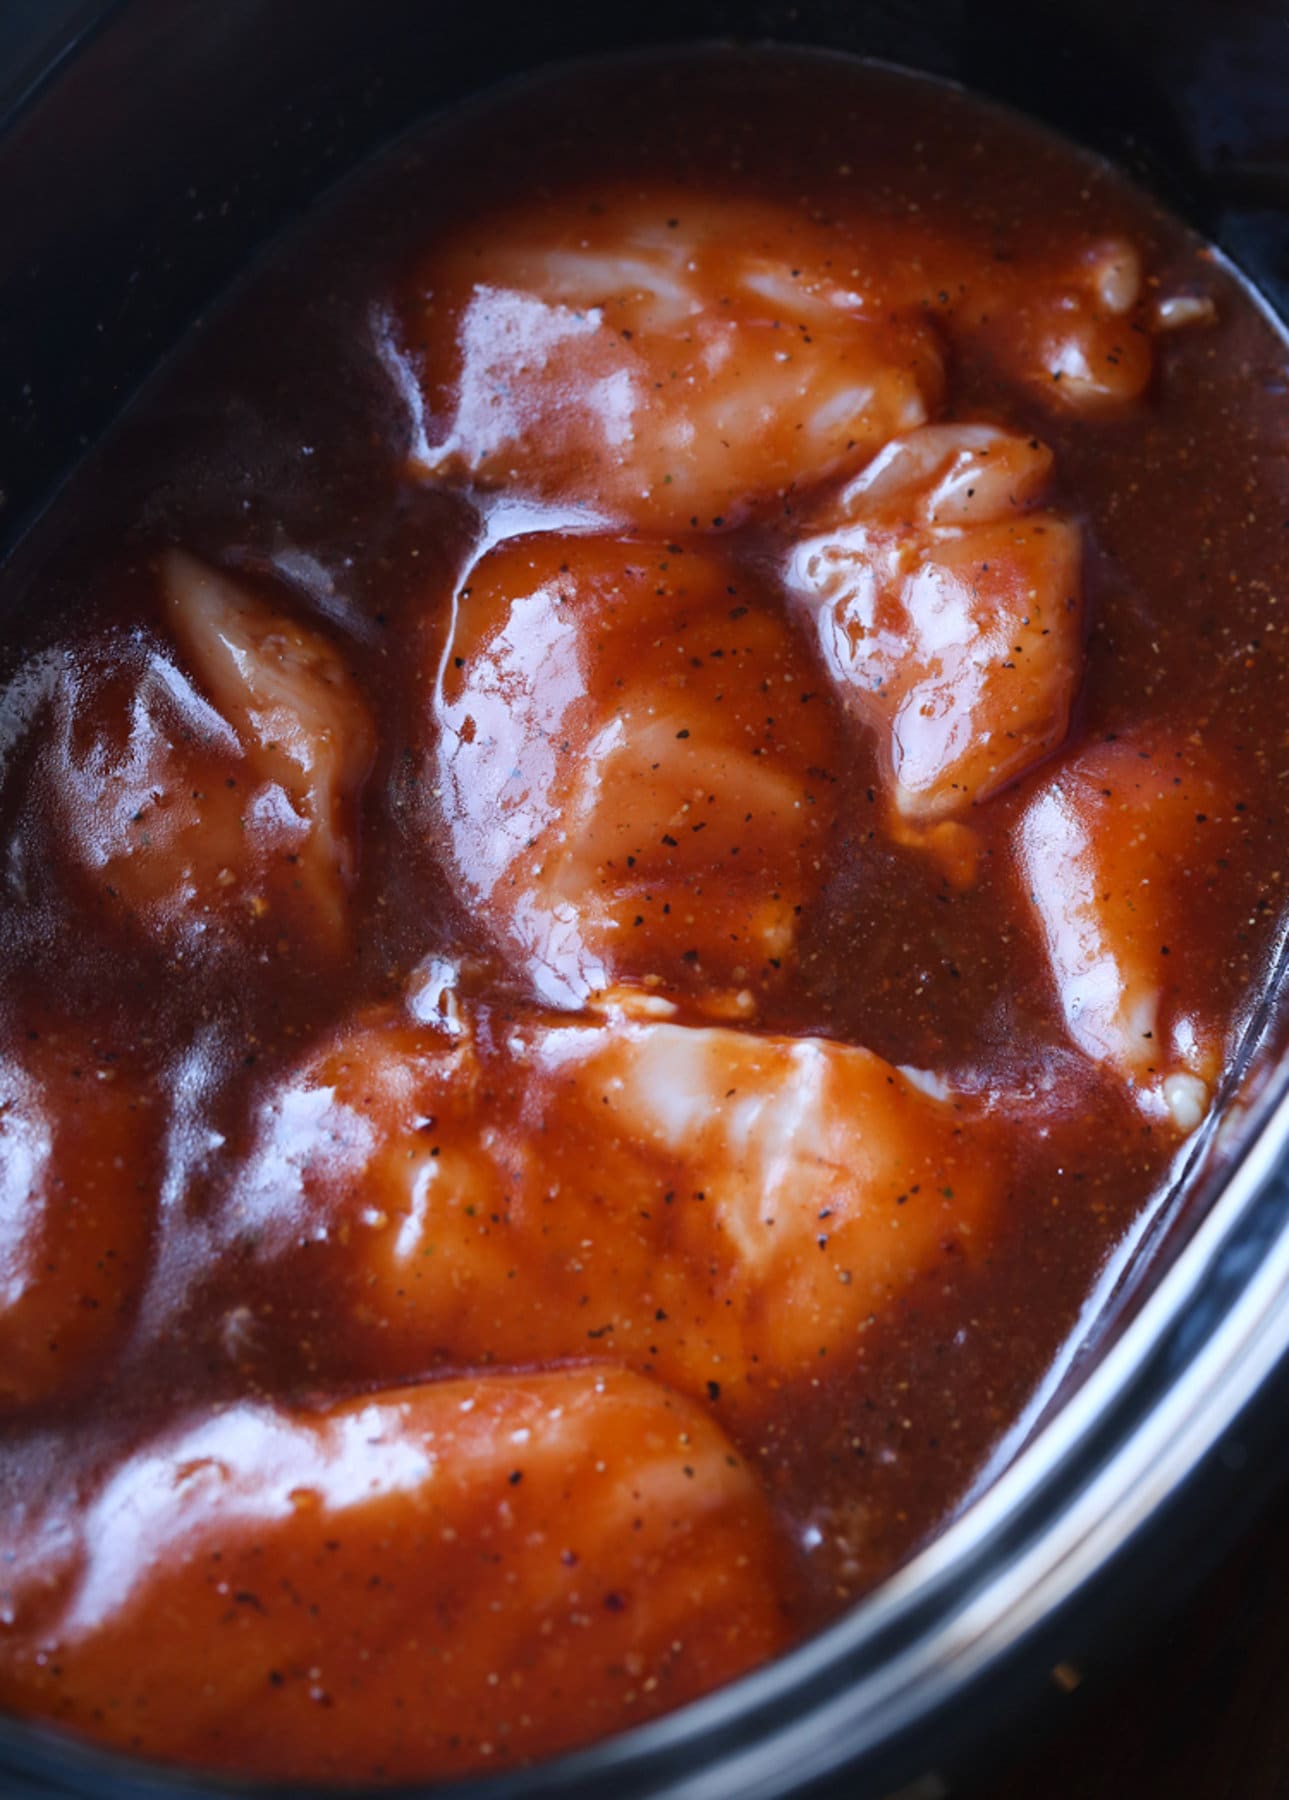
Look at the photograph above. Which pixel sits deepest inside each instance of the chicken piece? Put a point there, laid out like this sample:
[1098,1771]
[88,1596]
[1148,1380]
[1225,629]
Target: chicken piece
[1112,851]
[668,360]
[220,793]
[1069,320]
[1074,329]
[787,1190]
[78,1184]
[949,614]
[440,1579]
[632,756]
[717,1207]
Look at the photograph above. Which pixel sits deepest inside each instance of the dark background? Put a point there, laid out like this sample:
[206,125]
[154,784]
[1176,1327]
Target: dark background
[1201,1712]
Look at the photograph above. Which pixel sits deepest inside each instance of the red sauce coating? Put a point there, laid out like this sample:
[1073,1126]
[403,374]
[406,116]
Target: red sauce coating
[633,764]
[236,1584]
[640,806]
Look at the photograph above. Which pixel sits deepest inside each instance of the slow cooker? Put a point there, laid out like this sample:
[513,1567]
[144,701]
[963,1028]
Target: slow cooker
[148,148]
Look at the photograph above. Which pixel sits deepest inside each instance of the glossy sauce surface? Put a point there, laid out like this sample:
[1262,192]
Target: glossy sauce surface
[640,809]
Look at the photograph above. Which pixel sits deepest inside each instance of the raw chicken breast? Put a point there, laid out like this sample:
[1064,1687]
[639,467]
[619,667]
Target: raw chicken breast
[634,766]
[668,360]
[430,1580]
